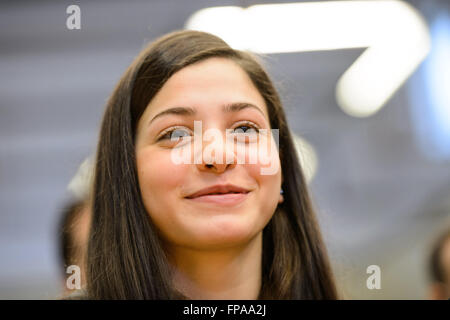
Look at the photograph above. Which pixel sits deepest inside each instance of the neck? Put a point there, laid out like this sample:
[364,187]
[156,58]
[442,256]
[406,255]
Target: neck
[225,274]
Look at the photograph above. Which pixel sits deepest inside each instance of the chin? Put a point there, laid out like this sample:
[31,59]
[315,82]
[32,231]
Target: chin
[225,234]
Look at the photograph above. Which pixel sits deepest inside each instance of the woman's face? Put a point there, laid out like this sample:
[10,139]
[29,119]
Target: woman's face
[182,198]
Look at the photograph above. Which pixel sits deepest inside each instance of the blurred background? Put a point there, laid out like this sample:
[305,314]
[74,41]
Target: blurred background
[379,175]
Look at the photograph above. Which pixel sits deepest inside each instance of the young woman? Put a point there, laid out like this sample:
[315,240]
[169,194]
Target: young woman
[212,227]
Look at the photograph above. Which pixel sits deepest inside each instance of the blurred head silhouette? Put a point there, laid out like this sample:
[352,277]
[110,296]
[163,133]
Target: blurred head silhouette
[440,268]
[75,224]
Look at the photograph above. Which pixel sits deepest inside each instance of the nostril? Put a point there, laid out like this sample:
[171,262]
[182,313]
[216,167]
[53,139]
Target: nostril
[209,166]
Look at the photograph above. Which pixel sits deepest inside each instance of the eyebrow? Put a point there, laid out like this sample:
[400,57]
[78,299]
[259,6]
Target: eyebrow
[188,111]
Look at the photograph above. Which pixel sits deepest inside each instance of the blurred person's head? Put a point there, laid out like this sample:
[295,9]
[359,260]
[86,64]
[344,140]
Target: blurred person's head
[74,223]
[439,265]
[74,228]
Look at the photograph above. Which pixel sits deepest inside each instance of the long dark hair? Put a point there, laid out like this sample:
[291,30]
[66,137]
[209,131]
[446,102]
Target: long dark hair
[125,255]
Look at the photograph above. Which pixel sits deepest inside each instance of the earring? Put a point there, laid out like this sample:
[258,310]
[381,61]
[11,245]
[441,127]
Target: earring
[281,198]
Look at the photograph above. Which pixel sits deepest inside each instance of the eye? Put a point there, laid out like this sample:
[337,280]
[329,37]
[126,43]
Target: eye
[247,128]
[245,132]
[175,134]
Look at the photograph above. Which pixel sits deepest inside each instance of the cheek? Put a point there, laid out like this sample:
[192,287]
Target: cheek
[160,182]
[267,169]
[159,178]
[269,186]
[267,174]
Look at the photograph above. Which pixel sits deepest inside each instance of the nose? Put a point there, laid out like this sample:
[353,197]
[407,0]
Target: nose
[216,164]
[217,156]
[215,167]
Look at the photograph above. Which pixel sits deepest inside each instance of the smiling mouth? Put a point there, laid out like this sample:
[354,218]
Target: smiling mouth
[222,199]
[215,194]
[227,195]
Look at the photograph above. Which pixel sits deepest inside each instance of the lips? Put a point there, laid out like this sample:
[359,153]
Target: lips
[219,190]
[220,197]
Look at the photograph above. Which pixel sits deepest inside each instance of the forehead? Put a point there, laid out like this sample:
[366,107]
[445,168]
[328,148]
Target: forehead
[211,82]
